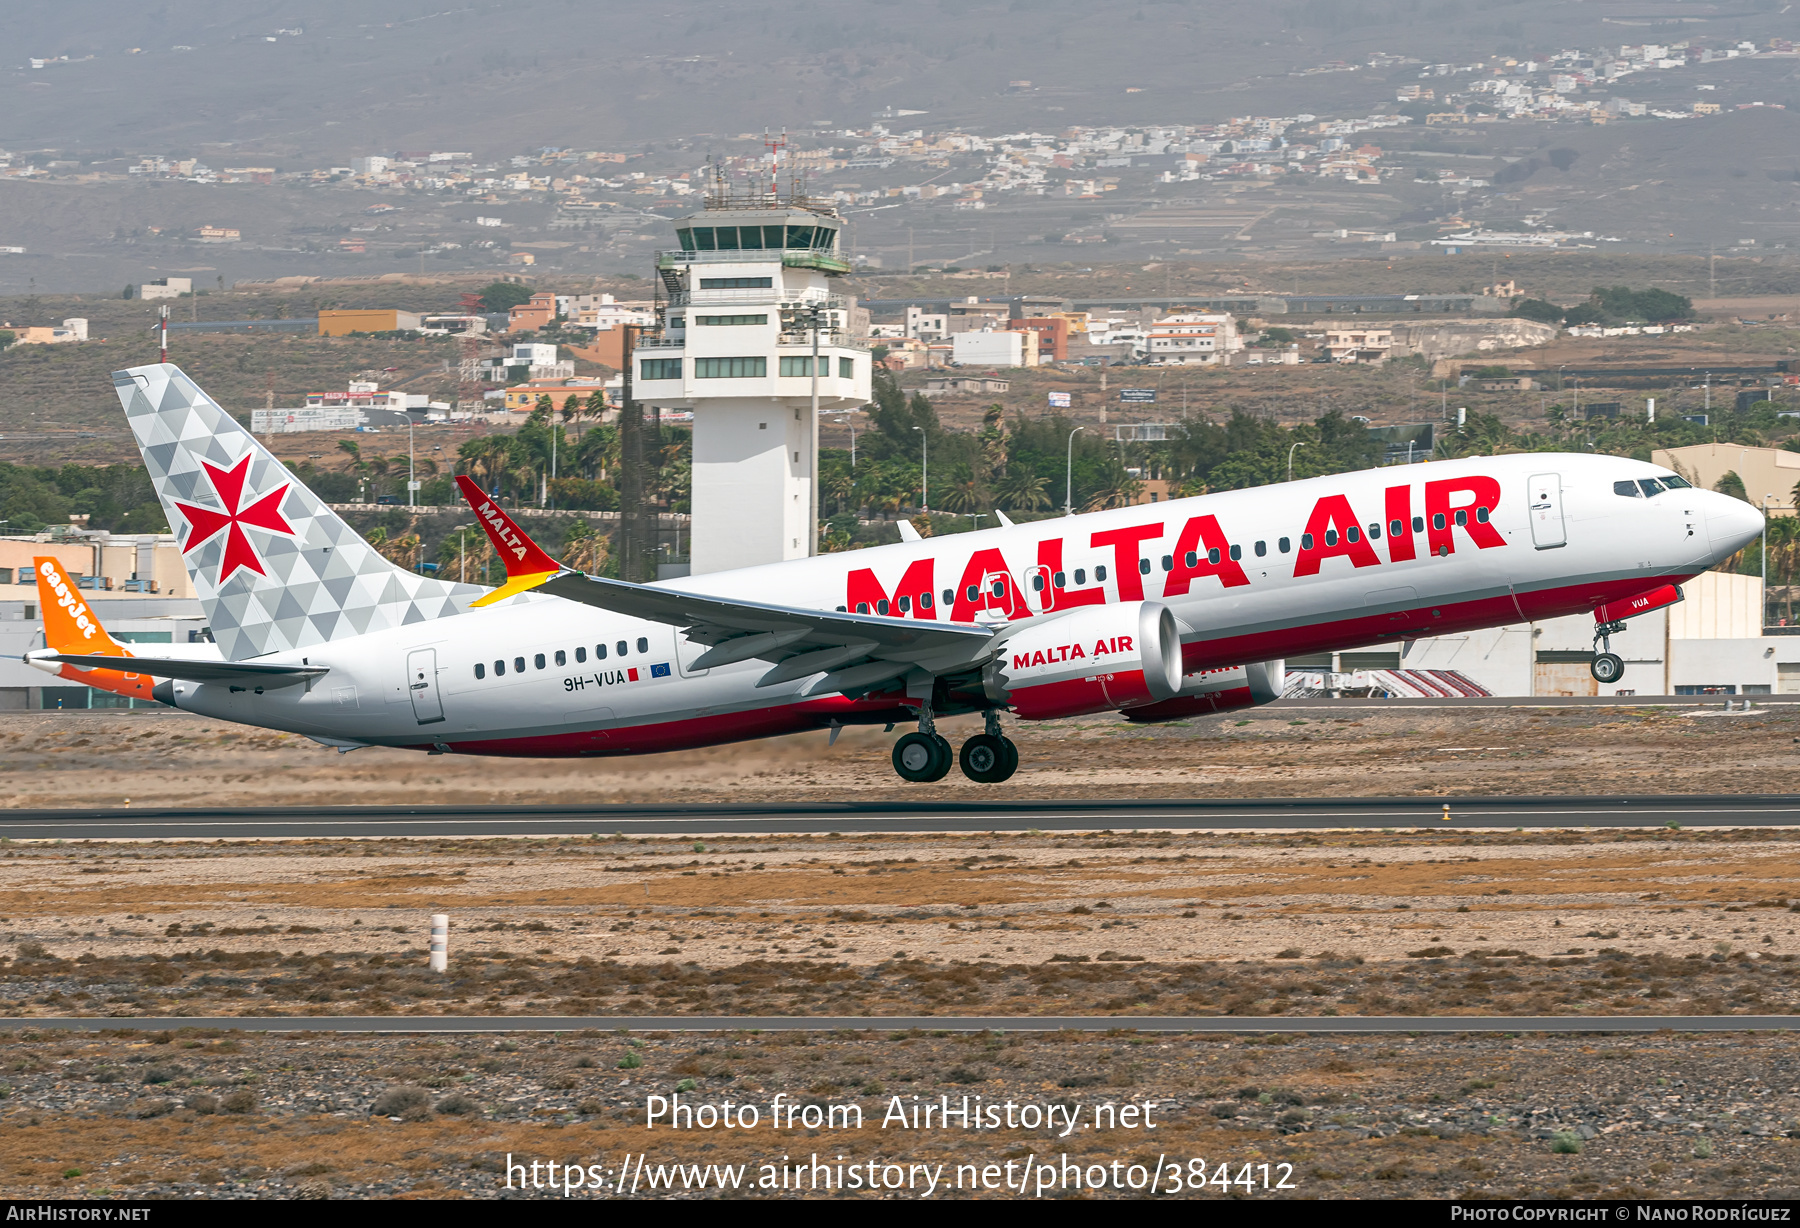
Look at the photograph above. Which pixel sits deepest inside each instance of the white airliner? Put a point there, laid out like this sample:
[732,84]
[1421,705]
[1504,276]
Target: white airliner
[1159,612]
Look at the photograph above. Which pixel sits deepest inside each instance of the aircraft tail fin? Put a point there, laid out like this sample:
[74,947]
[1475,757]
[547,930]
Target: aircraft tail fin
[274,567]
[71,626]
[527,564]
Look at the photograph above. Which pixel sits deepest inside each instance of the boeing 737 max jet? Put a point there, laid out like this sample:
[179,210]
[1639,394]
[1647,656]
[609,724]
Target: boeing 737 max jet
[1158,611]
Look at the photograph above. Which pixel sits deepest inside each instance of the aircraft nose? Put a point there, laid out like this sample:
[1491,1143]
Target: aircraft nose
[1731,524]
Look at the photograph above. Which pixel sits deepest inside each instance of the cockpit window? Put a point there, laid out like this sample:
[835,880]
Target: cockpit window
[1651,487]
[1674,483]
[1628,489]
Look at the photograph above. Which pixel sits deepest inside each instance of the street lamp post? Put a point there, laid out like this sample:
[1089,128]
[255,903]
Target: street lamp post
[462,554]
[1069,474]
[1300,444]
[925,475]
[411,485]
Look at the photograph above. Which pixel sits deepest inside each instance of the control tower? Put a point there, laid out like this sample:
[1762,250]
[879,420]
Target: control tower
[750,305]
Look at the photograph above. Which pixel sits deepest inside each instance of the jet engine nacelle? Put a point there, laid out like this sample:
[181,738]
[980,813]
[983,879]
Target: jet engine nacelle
[1217,690]
[1092,659]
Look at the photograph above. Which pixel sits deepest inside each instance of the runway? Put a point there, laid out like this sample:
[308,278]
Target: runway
[1313,1025]
[875,818]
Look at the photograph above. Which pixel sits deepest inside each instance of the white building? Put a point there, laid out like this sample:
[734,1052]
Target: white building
[166,287]
[748,288]
[602,312]
[1192,337]
[368,166]
[526,362]
[997,348]
[926,325]
[1711,643]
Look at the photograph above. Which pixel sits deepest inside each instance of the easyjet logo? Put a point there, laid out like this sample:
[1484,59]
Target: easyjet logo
[1071,652]
[66,598]
[501,530]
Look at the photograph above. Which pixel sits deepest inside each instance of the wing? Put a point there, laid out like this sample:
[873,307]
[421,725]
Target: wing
[238,673]
[853,651]
[526,564]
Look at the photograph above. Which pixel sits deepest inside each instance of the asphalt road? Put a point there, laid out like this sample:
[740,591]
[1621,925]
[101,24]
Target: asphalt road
[1310,1025]
[1260,814]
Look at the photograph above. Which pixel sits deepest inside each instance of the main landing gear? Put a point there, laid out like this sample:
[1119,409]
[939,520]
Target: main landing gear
[925,756]
[1607,666]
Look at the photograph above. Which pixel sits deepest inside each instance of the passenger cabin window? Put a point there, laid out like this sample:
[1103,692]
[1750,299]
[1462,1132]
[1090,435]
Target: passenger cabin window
[1375,531]
[1396,528]
[580,655]
[623,647]
[1237,552]
[1306,541]
[1262,548]
[1192,559]
[1212,556]
[903,604]
[862,607]
[499,669]
[950,596]
[538,660]
[1437,521]
[1081,575]
[519,665]
[1419,524]
[480,671]
[1168,563]
[1283,545]
[1100,574]
[1330,539]
[561,657]
[1462,517]
[881,607]
[643,644]
[1060,580]
[924,601]
[599,652]
[1143,567]
[974,592]
[1481,515]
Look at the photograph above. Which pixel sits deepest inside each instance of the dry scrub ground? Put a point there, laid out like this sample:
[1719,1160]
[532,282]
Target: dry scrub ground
[174,759]
[1115,924]
[204,1113]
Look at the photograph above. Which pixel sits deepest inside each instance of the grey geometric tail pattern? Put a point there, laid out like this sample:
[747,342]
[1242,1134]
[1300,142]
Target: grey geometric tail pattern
[274,567]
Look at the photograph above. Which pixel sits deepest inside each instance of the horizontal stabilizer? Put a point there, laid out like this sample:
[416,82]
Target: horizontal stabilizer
[239,673]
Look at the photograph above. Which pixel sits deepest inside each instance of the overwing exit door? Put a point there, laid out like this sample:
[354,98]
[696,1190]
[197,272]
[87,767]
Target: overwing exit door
[422,685]
[1545,499]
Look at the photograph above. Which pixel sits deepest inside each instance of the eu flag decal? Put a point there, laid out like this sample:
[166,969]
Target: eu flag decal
[660,671]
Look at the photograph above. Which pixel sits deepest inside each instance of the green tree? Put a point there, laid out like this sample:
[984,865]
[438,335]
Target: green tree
[1541,310]
[504,296]
[1731,484]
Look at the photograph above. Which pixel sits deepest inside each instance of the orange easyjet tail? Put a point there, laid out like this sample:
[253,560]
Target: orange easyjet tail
[71,627]
[527,566]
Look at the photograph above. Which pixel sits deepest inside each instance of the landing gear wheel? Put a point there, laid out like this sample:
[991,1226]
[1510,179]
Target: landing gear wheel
[922,757]
[1607,668]
[988,760]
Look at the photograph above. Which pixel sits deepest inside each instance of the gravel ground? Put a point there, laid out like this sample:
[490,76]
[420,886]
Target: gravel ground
[166,758]
[222,1115]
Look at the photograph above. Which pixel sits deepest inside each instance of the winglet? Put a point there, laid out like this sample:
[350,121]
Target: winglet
[527,566]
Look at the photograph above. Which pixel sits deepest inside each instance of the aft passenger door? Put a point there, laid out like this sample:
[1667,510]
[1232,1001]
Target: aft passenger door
[1545,501]
[422,685]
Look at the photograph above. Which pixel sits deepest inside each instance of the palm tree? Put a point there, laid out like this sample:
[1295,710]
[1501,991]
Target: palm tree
[584,549]
[1023,491]
[1117,489]
[965,494]
[354,450]
[840,488]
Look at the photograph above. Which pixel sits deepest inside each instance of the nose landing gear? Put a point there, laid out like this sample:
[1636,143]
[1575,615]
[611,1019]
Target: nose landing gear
[1608,667]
